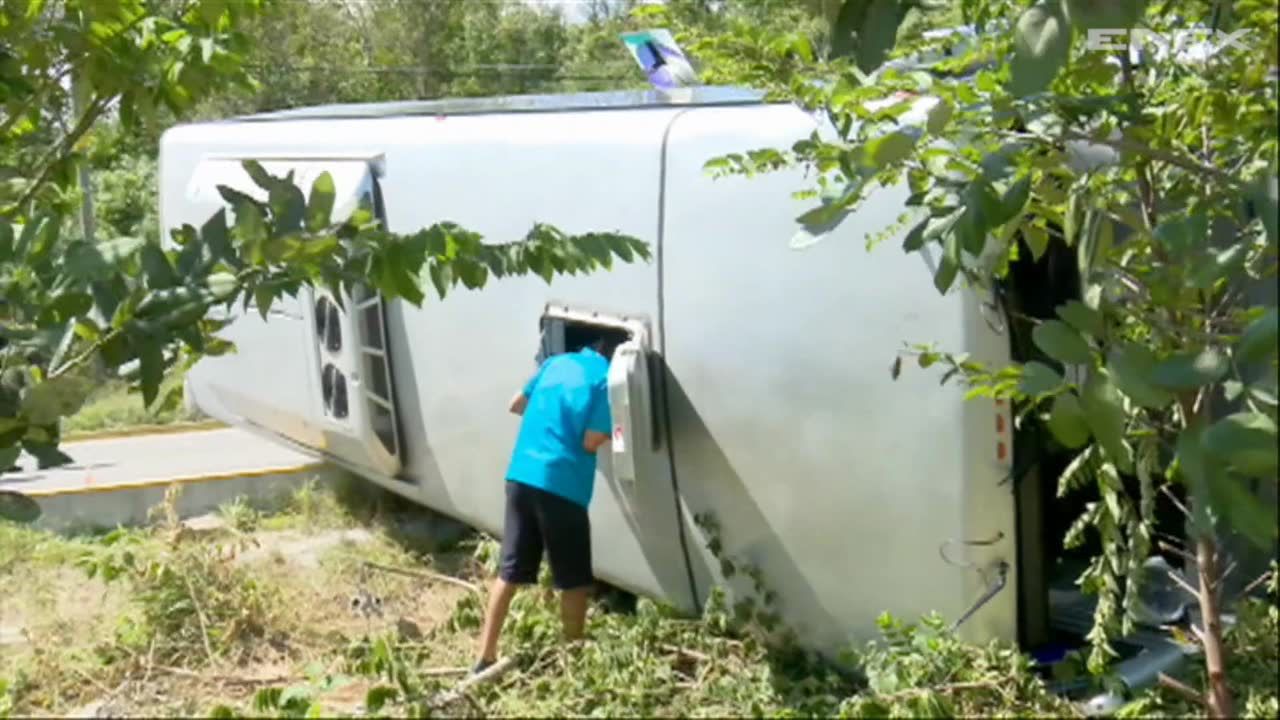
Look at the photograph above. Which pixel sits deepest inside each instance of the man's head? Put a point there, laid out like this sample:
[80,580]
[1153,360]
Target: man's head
[604,344]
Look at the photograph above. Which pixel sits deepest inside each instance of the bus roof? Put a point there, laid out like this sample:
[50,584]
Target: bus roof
[613,100]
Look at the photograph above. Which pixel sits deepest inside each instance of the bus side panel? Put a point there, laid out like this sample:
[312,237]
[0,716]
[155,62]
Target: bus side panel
[268,380]
[839,483]
[459,361]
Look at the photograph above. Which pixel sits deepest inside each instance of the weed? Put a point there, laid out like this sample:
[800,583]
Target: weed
[240,516]
[193,603]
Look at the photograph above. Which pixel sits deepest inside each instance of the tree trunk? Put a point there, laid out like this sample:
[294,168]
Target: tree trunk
[1218,695]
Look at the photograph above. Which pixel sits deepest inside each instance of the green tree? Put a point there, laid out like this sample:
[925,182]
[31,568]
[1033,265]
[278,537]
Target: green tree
[132,301]
[1175,236]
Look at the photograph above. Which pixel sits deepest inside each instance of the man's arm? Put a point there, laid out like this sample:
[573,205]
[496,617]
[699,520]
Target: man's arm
[593,441]
[519,403]
[521,399]
[598,421]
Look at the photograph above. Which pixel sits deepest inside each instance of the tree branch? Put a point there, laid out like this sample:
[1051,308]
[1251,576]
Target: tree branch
[1181,689]
[80,359]
[47,163]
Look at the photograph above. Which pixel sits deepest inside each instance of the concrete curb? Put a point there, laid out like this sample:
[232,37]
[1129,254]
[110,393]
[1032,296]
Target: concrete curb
[171,429]
[180,480]
[69,511]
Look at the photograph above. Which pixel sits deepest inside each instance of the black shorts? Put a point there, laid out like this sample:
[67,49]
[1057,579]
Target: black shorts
[537,519]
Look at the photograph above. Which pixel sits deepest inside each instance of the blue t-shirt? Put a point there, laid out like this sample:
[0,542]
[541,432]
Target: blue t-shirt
[567,397]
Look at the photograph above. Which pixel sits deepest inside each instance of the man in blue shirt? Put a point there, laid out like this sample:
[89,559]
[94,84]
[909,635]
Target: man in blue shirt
[565,420]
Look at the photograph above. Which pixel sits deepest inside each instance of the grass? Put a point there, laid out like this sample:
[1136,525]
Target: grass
[114,407]
[281,614]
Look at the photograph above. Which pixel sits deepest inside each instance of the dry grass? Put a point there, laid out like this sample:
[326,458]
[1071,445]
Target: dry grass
[71,642]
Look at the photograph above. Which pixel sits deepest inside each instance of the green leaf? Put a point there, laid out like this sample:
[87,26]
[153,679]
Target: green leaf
[259,175]
[1218,265]
[45,402]
[157,268]
[1037,240]
[441,277]
[9,456]
[46,455]
[1132,367]
[113,252]
[14,506]
[251,230]
[980,205]
[1057,340]
[287,208]
[150,370]
[6,242]
[948,265]
[1083,318]
[867,31]
[214,234]
[1042,41]
[1244,511]
[320,203]
[223,285]
[889,148]
[1118,14]
[1038,378]
[1013,201]
[1104,412]
[1188,371]
[1181,233]
[378,696]
[1265,195]
[1258,341]
[1071,219]
[1067,421]
[72,303]
[28,235]
[1197,474]
[914,239]
[939,115]
[1246,442]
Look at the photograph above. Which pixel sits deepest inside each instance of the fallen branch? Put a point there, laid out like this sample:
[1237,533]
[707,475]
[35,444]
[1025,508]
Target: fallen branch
[459,691]
[1180,688]
[424,574]
[227,679]
[693,654]
[444,671]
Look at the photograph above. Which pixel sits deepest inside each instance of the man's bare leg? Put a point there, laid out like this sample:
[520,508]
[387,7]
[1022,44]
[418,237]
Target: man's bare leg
[499,603]
[573,612]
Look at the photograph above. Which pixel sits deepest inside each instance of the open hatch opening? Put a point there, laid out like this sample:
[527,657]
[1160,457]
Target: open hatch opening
[567,335]
[1054,614]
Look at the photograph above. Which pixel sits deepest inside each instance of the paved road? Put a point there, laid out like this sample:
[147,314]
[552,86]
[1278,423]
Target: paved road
[150,458]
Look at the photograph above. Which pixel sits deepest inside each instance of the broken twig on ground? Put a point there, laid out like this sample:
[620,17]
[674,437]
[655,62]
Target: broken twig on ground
[459,691]
[227,679]
[424,574]
[693,654]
